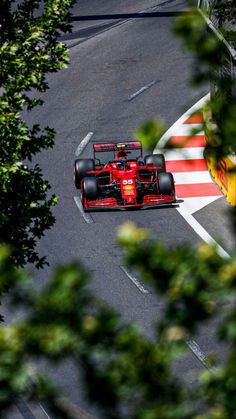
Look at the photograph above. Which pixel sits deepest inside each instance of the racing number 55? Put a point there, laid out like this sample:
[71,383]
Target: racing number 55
[127,182]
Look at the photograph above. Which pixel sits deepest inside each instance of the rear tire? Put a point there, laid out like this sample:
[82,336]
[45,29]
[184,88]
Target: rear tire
[166,183]
[82,166]
[90,188]
[157,160]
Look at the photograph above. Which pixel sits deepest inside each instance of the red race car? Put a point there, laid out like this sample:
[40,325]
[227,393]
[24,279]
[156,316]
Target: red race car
[125,179]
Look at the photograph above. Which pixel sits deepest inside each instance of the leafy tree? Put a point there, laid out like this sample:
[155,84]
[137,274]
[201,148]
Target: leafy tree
[29,50]
[125,374]
[223,13]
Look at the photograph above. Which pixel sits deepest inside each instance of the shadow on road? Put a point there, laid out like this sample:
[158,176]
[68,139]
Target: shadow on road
[121,16]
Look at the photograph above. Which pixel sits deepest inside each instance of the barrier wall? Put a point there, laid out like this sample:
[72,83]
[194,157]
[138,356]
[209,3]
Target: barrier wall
[223,173]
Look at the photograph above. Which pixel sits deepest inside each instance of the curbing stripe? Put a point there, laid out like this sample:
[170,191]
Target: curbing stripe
[185,141]
[186,166]
[191,153]
[183,178]
[186,160]
[174,128]
[196,190]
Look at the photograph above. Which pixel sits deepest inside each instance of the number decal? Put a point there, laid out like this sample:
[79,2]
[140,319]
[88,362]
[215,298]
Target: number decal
[127,182]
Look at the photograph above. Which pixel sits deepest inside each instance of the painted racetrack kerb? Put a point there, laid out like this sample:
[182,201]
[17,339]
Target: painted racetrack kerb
[179,122]
[179,129]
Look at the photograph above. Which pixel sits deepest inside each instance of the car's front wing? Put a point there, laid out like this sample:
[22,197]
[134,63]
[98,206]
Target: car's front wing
[148,200]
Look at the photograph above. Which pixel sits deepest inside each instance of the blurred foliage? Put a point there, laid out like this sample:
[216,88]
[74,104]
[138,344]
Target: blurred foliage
[223,13]
[29,50]
[126,375]
[150,132]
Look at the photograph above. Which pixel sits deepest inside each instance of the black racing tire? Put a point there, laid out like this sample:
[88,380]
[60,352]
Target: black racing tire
[166,183]
[157,160]
[82,166]
[90,188]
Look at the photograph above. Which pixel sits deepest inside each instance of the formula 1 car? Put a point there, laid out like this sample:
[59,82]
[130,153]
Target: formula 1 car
[125,179]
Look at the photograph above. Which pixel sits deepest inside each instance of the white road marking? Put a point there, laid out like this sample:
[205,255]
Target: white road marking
[86,217]
[195,348]
[135,281]
[205,236]
[190,153]
[134,95]
[194,204]
[44,411]
[83,144]
[183,178]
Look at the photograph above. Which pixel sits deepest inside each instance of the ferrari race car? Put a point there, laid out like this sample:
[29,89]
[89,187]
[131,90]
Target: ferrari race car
[124,179]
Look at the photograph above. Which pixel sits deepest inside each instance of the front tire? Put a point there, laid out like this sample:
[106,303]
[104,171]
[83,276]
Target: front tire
[81,168]
[90,188]
[166,183]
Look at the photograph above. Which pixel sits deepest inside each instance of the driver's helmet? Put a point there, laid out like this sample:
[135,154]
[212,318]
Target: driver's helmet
[121,163]
[121,151]
[122,154]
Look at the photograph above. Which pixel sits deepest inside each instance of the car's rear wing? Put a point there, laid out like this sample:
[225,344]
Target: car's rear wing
[126,145]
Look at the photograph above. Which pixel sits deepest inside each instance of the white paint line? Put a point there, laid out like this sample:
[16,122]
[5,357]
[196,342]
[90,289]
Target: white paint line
[194,204]
[134,95]
[191,153]
[44,411]
[83,144]
[201,231]
[192,177]
[135,281]
[86,217]
[195,348]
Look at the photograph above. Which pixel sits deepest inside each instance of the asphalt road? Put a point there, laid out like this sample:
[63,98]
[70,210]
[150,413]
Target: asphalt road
[109,61]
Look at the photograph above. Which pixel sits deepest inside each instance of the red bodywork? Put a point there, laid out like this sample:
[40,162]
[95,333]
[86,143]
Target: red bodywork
[125,182]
